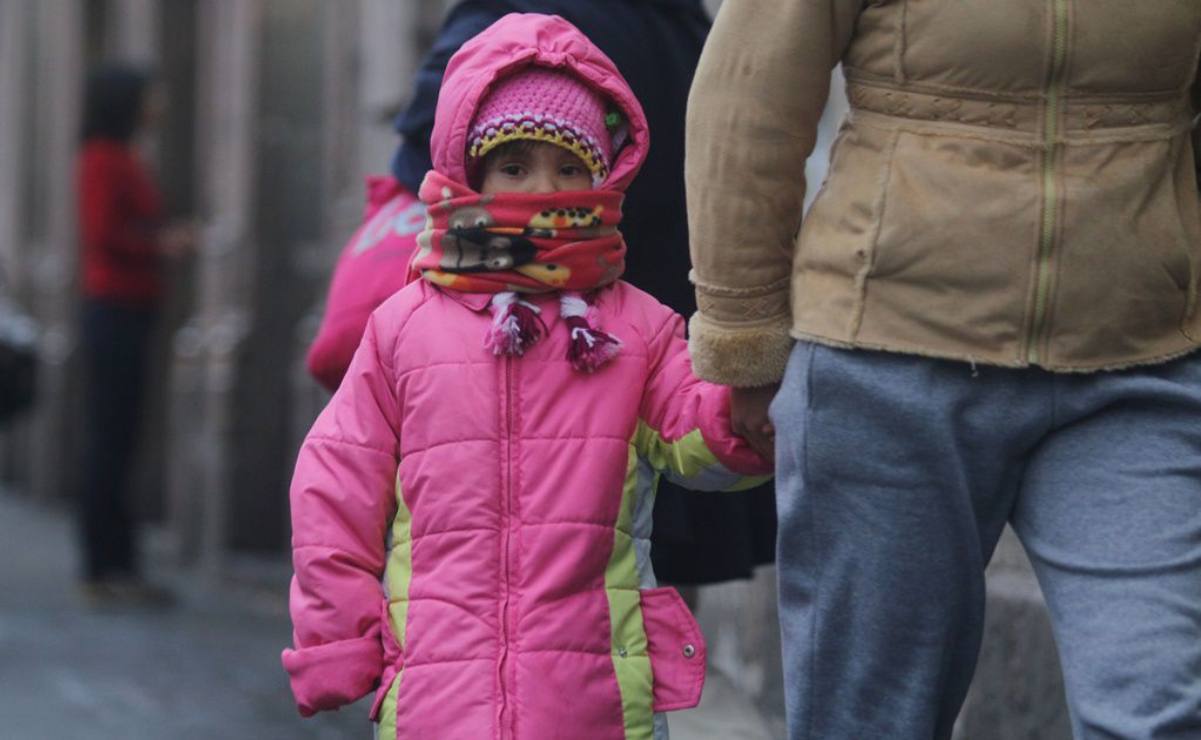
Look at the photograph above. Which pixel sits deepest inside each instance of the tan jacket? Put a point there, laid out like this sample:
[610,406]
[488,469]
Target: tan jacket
[1015,183]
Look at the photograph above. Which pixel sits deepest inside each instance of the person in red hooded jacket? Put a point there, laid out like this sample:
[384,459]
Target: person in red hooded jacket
[124,240]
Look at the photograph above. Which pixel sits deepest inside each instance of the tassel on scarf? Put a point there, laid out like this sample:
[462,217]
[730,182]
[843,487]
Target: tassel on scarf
[588,348]
[516,325]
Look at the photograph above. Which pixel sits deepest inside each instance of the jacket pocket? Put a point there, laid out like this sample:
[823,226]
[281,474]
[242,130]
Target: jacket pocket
[836,244]
[1126,281]
[676,648]
[393,660]
[1179,265]
[1190,247]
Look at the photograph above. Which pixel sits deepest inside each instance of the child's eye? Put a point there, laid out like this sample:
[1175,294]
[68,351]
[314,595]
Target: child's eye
[512,170]
[571,170]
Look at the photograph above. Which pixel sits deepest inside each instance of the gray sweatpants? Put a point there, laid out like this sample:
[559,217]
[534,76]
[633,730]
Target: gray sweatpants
[896,476]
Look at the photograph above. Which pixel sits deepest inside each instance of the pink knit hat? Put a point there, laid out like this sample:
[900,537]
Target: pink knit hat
[539,104]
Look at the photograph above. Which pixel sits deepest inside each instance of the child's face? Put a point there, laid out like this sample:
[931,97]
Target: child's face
[538,167]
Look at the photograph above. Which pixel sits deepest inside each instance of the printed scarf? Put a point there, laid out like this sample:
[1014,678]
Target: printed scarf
[509,244]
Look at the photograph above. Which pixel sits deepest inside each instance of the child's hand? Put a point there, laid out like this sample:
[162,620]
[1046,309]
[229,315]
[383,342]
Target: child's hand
[749,419]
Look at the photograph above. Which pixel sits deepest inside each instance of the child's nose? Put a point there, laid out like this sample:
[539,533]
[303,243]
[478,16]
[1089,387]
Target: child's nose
[545,182]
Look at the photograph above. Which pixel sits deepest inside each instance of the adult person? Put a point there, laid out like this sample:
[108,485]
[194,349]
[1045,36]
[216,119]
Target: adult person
[699,538]
[124,239]
[988,316]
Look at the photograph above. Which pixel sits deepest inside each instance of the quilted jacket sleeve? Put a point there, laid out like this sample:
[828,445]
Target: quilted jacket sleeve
[684,428]
[753,114]
[342,501]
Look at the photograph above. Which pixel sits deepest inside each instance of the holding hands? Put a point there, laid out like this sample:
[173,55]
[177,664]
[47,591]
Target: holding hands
[749,418]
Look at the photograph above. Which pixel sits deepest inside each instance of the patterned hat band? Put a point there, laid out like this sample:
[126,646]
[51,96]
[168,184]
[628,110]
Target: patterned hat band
[489,135]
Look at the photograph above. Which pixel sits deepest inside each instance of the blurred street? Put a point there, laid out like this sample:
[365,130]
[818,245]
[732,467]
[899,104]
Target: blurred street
[208,668]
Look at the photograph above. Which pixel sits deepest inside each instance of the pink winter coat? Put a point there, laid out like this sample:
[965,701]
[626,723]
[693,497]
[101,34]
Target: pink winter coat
[471,534]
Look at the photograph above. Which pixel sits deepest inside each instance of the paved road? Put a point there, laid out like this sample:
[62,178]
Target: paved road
[207,669]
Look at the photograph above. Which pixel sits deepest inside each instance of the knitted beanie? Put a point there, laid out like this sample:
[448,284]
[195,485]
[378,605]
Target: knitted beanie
[538,104]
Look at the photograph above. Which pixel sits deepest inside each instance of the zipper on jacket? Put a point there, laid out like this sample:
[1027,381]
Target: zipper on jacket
[506,517]
[1051,149]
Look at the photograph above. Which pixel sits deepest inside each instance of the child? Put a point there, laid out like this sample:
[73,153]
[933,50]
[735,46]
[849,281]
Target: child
[491,453]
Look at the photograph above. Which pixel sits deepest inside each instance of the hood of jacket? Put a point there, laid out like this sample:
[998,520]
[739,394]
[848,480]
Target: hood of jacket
[517,41]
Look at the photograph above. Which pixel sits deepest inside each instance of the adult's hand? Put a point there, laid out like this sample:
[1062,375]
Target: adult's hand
[749,419]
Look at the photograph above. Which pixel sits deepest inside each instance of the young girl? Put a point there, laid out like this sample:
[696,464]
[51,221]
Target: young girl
[491,453]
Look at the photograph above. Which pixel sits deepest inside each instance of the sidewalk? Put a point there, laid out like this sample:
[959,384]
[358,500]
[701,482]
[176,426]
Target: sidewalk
[206,669]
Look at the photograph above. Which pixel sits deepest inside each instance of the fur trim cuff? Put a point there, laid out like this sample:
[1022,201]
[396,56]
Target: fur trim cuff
[741,356]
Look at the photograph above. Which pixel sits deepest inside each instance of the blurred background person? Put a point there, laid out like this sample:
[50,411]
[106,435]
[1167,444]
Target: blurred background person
[124,241]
